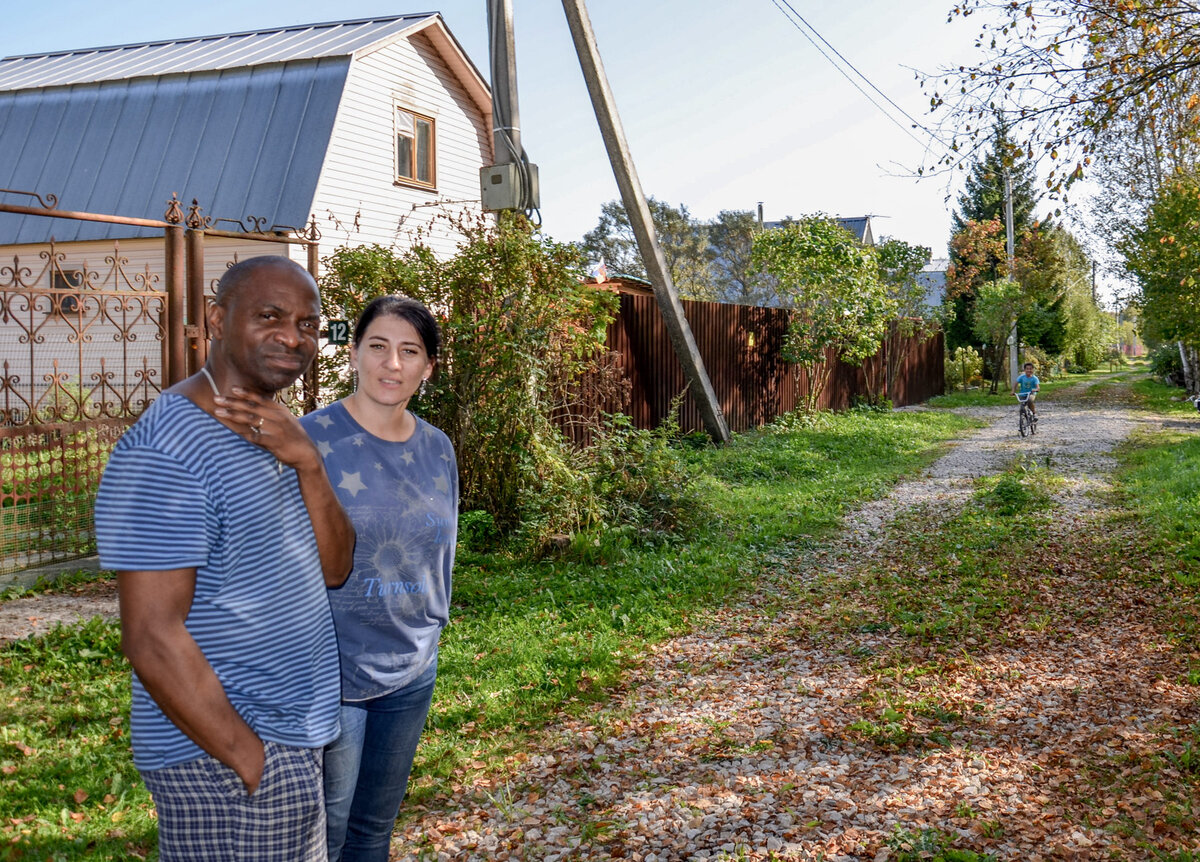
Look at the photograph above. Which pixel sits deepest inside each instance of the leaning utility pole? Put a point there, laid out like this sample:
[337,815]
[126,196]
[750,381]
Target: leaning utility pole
[639,219]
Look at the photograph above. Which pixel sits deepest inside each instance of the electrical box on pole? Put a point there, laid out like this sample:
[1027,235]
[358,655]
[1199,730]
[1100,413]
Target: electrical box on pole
[502,187]
[512,182]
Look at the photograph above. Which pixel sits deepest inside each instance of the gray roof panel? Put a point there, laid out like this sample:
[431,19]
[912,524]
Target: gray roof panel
[245,141]
[205,53]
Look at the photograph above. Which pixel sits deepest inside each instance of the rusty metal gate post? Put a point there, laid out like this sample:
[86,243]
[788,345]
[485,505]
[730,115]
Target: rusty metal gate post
[312,377]
[175,352]
[197,325]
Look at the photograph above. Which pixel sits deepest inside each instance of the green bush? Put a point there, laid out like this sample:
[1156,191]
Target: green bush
[964,368]
[1043,366]
[1166,364]
[1087,357]
[521,331]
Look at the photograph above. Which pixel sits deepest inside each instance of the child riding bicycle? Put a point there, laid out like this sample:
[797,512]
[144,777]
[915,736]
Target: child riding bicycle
[1026,387]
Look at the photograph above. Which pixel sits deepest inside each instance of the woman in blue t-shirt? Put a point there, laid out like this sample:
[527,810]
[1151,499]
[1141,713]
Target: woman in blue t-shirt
[397,478]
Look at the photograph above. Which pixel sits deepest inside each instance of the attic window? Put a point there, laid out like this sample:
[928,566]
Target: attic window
[414,148]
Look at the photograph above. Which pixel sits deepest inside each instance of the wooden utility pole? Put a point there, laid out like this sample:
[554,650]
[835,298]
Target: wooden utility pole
[510,183]
[506,122]
[639,219]
[1014,349]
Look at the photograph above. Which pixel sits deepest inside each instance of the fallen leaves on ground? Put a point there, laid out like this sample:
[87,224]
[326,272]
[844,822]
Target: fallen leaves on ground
[772,735]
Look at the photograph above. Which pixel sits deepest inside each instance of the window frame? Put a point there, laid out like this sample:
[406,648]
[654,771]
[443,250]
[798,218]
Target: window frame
[63,280]
[413,135]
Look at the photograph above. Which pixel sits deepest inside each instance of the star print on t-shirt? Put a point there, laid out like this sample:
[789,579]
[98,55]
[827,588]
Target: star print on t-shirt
[352,482]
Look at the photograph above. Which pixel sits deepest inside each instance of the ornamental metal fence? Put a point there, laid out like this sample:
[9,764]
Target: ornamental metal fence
[91,332]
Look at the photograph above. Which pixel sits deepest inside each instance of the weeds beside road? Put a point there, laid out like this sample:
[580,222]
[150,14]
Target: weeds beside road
[1007,668]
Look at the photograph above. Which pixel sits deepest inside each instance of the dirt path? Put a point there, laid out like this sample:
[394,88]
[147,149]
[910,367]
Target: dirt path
[31,615]
[737,742]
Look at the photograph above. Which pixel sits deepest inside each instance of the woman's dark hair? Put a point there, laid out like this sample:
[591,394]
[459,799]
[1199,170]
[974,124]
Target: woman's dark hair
[406,308]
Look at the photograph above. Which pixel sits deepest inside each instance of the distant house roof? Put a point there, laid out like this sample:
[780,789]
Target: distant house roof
[627,284]
[933,278]
[240,121]
[860,226]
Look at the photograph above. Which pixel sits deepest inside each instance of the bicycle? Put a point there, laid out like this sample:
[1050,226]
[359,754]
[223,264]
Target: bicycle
[1026,419]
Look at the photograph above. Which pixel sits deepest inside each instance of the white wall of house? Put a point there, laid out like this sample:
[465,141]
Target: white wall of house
[358,178]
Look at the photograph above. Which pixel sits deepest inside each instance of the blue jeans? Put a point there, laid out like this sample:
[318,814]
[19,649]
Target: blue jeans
[366,769]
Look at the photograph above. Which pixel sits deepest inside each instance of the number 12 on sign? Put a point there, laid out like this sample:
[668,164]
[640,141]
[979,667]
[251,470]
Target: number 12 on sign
[339,332]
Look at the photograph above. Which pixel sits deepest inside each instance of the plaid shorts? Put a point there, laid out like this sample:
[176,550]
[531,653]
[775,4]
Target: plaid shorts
[205,815]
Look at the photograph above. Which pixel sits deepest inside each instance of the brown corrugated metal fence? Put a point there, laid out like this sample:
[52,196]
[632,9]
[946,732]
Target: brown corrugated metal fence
[740,346]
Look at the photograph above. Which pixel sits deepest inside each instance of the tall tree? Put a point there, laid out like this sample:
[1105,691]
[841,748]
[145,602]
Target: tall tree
[730,249]
[977,255]
[684,242]
[998,304]
[900,264]
[982,197]
[1164,256]
[1062,74]
[978,247]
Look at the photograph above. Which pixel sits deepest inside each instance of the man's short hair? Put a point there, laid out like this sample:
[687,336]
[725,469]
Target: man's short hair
[237,274]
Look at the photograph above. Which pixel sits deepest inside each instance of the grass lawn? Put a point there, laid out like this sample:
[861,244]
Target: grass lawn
[982,397]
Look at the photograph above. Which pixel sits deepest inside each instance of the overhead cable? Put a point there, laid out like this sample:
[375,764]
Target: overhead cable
[797,20]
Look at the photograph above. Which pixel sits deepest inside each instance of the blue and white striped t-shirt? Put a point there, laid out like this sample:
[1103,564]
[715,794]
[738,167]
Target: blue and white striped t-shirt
[183,491]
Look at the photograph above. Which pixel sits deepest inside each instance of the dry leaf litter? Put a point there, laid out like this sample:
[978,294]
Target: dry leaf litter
[735,742]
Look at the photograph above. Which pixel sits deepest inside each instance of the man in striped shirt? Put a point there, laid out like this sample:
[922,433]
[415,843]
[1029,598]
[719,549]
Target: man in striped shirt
[218,517]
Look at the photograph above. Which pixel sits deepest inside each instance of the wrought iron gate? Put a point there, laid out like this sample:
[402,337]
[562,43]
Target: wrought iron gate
[86,344]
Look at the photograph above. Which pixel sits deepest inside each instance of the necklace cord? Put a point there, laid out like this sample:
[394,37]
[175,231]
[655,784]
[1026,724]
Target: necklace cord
[204,370]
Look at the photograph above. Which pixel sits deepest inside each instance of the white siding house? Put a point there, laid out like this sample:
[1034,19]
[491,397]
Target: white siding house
[280,125]
[358,183]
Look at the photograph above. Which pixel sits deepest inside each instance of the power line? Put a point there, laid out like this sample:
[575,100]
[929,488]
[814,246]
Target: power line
[853,68]
[786,7]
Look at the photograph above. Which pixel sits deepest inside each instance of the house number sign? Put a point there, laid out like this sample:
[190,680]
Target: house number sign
[339,332]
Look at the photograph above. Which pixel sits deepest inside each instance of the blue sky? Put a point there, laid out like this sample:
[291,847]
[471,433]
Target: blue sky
[724,104]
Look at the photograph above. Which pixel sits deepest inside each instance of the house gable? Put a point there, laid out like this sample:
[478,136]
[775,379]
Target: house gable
[359,199]
[859,226]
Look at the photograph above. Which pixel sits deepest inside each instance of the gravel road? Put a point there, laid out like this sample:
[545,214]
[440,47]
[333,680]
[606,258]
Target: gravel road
[731,742]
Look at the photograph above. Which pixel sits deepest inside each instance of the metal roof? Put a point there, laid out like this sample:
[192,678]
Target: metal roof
[247,141]
[203,53]
[860,226]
